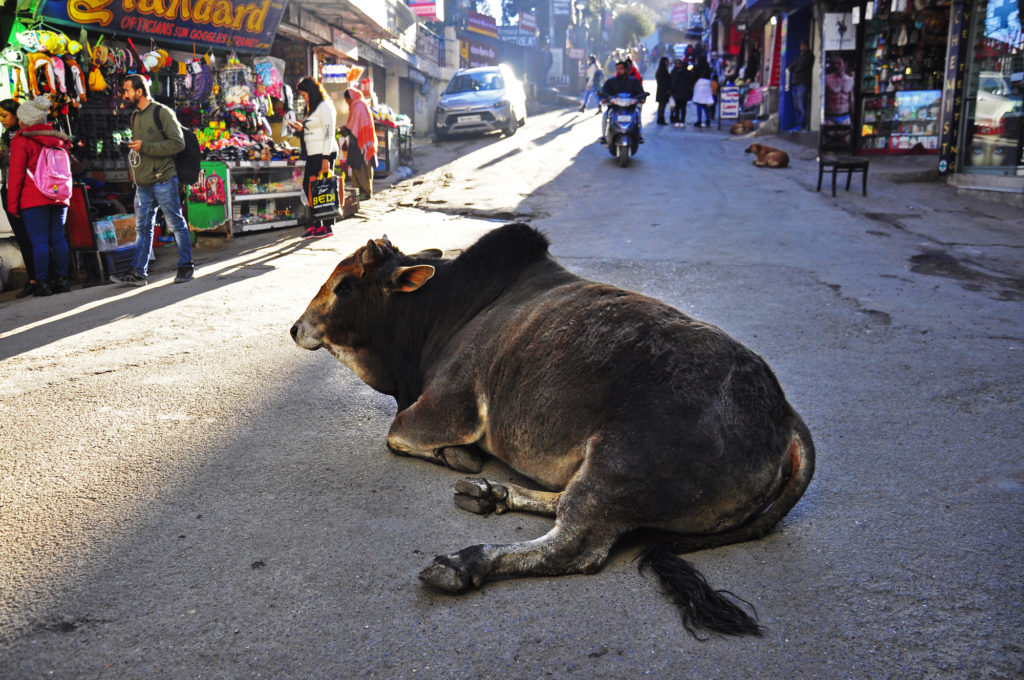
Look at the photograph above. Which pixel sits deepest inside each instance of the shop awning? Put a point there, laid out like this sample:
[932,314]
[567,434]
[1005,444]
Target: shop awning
[363,19]
[742,9]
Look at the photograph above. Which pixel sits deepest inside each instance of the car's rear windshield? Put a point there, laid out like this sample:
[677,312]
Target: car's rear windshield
[475,82]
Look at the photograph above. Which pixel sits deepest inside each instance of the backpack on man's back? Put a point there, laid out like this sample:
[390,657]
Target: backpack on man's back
[187,161]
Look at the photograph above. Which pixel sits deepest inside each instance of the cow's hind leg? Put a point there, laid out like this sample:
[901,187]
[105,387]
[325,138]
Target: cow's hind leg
[565,549]
[482,496]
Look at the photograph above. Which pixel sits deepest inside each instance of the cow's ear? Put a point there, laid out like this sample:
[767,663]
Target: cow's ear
[434,253]
[408,279]
[372,253]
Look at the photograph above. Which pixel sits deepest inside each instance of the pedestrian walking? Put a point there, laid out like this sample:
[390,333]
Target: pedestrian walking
[362,142]
[703,96]
[9,121]
[318,140]
[42,213]
[595,77]
[682,91]
[663,79]
[156,138]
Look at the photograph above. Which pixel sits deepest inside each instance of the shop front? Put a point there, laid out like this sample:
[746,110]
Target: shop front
[902,62]
[992,133]
[225,81]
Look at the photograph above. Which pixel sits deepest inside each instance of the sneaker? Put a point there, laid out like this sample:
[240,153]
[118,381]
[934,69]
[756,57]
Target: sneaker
[602,140]
[42,289]
[61,285]
[582,109]
[364,196]
[310,232]
[184,274]
[29,289]
[132,278]
[642,140]
[323,232]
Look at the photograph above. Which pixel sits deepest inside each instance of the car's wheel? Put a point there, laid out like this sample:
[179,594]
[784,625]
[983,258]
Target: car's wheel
[513,123]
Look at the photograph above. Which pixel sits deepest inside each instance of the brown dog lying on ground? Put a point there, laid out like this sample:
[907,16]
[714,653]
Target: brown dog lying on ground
[742,127]
[768,156]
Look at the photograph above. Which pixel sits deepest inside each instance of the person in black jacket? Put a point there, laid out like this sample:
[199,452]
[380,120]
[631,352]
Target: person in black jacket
[664,80]
[800,83]
[622,83]
[683,78]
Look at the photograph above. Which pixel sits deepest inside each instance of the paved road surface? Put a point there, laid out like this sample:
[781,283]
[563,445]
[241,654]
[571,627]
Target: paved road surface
[185,494]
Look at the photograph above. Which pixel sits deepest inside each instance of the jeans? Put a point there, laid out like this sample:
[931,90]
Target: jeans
[45,227]
[704,113]
[800,104]
[164,195]
[586,97]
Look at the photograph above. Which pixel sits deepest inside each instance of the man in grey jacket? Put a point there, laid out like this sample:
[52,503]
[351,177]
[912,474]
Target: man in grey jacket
[151,157]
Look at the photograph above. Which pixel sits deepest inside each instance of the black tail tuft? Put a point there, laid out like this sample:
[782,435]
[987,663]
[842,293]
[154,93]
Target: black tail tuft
[701,606]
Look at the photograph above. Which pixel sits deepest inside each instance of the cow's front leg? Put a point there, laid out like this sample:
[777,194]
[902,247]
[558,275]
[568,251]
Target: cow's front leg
[441,431]
[558,552]
[481,496]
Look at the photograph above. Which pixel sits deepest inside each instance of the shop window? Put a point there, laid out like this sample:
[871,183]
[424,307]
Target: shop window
[994,90]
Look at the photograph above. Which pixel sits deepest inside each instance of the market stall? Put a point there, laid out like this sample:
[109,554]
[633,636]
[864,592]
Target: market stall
[221,83]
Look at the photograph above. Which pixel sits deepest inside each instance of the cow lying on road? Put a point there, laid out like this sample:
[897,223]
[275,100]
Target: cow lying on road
[629,413]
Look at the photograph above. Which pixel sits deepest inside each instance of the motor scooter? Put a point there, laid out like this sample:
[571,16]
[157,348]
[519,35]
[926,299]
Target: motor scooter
[623,134]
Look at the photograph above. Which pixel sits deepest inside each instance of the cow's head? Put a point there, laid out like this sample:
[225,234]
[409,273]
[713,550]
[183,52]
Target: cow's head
[349,308]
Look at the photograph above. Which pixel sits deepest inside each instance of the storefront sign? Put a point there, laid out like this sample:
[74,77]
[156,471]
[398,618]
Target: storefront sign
[345,44]
[516,36]
[528,22]
[242,25]
[482,24]
[473,53]
[680,14]
[431,10]
[952,88]
[560,8]
[576,53]
[729,106]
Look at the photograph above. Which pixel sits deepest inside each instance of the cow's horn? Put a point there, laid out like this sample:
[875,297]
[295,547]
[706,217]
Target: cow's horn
[372,253]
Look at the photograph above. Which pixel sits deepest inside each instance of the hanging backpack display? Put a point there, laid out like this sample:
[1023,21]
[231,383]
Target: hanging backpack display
[187,161]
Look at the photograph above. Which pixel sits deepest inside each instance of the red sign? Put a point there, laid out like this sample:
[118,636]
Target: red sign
[428,9]
[681,14]
[482,24]
[528,22]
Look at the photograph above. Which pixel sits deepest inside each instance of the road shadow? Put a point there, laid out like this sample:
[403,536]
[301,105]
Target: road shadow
[98,305]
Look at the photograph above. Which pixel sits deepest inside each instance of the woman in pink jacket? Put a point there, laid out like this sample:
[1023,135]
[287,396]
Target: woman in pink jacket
[43,216]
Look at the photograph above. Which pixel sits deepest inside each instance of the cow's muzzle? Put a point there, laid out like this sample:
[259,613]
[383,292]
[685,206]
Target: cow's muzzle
[304,337]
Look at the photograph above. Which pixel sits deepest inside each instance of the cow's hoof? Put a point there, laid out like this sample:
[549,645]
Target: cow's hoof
[447,573]
[462,459]
[480,496]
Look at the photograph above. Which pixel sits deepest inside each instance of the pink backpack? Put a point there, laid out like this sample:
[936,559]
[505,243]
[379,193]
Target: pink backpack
[53,173]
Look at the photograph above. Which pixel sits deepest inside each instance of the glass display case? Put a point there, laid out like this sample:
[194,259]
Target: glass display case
[901,122]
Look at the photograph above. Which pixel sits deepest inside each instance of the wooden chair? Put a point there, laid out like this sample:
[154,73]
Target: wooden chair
[835,156]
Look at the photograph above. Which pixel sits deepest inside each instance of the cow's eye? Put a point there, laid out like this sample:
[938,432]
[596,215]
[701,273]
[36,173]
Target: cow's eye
[344,286]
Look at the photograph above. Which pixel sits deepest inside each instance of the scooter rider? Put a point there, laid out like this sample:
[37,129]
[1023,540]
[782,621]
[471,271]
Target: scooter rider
[622,83]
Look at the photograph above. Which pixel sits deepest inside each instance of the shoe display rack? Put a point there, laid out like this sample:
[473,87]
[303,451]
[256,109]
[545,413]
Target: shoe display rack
[239,196]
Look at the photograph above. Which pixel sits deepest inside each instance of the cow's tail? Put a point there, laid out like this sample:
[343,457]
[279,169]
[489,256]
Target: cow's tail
[703,607]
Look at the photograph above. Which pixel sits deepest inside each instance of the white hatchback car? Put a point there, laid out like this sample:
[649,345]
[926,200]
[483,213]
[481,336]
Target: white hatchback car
[481,99]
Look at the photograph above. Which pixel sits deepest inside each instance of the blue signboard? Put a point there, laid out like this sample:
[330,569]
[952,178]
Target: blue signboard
[242,25]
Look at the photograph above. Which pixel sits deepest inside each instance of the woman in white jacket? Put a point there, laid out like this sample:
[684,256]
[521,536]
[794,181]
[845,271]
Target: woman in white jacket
[318,138]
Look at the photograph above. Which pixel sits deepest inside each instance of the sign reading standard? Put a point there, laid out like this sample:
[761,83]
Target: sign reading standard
[243,25]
